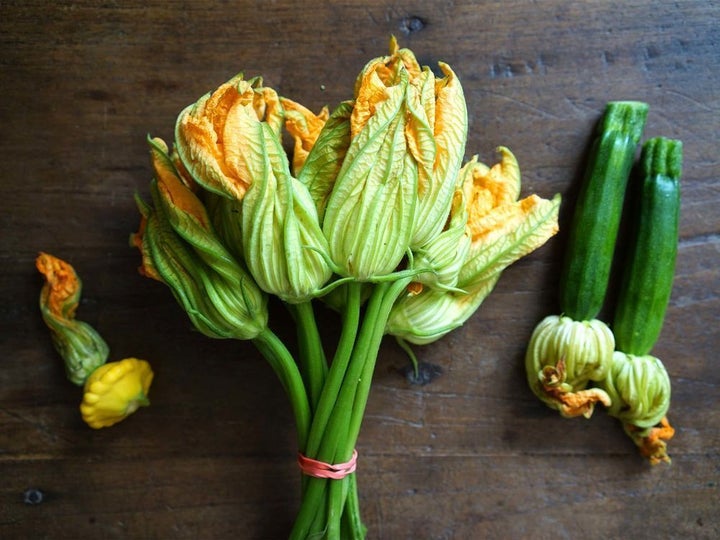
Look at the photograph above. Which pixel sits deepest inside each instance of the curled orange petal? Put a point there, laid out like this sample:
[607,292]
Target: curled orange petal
[305,127]
[371,92]
[61,292]
[171,186]
[146,268]
[652,442]
[569,403]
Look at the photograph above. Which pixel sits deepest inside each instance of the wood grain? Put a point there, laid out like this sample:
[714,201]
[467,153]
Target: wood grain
[471,455]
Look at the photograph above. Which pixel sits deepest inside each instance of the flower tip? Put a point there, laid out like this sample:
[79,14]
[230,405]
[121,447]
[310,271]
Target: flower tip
[394,47]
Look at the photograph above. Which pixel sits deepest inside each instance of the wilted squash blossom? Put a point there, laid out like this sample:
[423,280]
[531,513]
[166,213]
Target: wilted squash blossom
[221,299]
[435,130]
[563,356]
[209,142]
[114,391]
[639,387]
[501,230]
[80,346]
[370,211]
[284,247]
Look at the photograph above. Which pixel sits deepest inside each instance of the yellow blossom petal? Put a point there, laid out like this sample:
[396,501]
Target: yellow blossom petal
[490,188]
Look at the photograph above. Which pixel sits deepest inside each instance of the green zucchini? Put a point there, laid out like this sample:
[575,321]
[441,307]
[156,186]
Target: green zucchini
[648,273]
[593,231]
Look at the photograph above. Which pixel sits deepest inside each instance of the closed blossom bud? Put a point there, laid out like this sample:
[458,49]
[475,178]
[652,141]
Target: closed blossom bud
[370,212]
[429,315]
[209,143]
[563,356]
[186,213]
[80,346]
[284,247]
[218,294]
[445,254]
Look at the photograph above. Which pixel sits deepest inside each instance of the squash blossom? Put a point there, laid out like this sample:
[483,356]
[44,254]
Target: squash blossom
[114,391]
[563,356]
[209,141]
[370,212]
[283,245]
[80,346]
[219,296]
[500,228]
[436,132]
[639,387]
[398,178]
[230,142]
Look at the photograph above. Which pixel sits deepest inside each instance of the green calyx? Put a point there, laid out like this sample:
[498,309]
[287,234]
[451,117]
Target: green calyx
[81,347]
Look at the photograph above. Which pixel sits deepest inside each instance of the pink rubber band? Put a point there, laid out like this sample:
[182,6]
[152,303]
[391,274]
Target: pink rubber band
[319,469]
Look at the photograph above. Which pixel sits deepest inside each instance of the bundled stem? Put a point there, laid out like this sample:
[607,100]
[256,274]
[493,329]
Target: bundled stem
[339,414]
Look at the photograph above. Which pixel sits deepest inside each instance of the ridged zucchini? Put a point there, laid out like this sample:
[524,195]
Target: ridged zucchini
[594,227]
[649,271]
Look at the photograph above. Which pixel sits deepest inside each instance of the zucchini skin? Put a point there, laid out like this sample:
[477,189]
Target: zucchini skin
[596,219]
[648,273]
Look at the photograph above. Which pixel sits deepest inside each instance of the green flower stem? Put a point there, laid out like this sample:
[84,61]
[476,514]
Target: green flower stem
[371,353]
[337,493]
[315,488]
[352,526]
[313,364]
[350,408]
[283,364]
[337,425]
[330,507]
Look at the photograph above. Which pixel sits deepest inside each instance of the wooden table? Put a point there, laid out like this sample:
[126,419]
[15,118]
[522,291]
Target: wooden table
[473,454]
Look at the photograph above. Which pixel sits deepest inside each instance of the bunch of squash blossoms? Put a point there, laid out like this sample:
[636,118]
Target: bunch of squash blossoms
[374,216]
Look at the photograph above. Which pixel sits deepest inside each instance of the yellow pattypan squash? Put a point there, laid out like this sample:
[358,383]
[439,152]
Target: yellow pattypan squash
[114,391]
